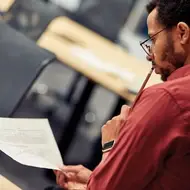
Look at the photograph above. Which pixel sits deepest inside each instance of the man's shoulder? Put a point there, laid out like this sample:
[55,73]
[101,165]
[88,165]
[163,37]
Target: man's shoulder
[179,89]
[177,86]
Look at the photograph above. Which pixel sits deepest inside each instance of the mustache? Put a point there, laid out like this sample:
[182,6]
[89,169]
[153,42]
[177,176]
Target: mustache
[153,63]
[150,59]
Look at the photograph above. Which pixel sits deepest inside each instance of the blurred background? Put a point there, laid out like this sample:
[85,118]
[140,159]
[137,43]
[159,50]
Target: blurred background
[75,102]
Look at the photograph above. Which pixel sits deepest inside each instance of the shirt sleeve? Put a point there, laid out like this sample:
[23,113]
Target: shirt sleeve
[142,145]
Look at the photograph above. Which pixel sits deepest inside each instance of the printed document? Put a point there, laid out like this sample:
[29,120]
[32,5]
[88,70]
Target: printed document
[30,142]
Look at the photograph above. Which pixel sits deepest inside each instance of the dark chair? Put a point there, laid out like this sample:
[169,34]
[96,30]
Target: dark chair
[21,62]
[31,17]
[106,17]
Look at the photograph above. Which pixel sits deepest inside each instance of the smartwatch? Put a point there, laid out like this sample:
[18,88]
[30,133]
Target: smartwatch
[108,146]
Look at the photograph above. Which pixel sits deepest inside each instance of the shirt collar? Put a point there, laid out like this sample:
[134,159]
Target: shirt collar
[181,72]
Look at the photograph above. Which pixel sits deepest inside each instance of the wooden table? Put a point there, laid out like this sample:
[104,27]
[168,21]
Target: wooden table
[5,5]
[5,184]
[61,36]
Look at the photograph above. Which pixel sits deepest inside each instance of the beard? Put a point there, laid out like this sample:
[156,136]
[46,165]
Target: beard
[175,60]
[165,73]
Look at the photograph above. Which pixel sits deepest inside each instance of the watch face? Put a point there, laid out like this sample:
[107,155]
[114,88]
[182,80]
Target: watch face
[108,145]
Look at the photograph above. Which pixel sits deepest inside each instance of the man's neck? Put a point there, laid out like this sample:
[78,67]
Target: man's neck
[187,62]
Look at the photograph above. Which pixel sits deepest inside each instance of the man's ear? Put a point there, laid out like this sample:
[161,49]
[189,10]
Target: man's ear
[183,32]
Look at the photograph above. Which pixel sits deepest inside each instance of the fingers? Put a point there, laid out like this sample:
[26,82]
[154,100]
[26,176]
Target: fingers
[61,179]
[109,122]
[124,112]
[71,175]
[74,169]
[111,130]
[122,117]
[76,186]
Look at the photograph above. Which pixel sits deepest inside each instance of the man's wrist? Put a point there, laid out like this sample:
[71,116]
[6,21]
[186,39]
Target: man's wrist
[104,156]
[106,149]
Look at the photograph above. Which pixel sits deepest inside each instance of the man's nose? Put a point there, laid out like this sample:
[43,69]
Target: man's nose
[150,57]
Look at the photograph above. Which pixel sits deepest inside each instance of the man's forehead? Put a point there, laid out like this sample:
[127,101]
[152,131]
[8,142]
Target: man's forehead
[152,23]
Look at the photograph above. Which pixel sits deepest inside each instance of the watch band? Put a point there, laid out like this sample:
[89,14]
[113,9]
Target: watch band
[108,146]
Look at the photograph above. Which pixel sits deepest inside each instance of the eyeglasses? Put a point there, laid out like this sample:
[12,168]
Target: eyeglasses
[147,44]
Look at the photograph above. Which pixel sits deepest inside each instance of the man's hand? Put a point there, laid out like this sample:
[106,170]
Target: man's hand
[73,177]
[110,131]
[76,177]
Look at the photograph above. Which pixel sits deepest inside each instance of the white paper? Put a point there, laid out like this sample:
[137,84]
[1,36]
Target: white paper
[30,142]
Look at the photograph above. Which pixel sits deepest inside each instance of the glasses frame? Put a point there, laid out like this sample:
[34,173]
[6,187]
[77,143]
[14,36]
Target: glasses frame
[150,38]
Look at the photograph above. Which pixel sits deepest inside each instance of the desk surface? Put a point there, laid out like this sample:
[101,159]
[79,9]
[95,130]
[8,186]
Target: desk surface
[5,184]
[63,34]
[5,5]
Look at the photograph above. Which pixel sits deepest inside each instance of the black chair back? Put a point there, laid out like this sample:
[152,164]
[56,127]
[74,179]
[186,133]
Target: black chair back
[31,17]
[105,17]
[21,62]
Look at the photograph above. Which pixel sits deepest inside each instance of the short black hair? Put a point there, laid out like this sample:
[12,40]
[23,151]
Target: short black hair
[151,6]
[171,12]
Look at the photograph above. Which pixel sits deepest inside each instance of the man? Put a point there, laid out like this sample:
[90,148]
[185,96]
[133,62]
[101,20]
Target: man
[152,149]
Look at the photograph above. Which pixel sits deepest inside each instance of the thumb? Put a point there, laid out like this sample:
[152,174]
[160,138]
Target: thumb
[124,112]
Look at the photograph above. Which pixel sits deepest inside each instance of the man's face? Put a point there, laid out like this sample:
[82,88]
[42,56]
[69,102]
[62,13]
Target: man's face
[168,53]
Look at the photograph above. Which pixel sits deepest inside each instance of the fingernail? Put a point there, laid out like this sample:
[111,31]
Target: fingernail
[123,107]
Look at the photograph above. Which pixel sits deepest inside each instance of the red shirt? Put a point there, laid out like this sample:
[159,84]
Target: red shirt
[153,148]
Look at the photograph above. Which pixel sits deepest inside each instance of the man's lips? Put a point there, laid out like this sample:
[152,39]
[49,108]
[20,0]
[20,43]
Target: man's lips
[156,69]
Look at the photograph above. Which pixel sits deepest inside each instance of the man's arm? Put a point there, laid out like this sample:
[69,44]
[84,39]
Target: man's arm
[141,146]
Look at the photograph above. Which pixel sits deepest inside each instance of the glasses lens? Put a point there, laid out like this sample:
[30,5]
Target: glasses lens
[147,47]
